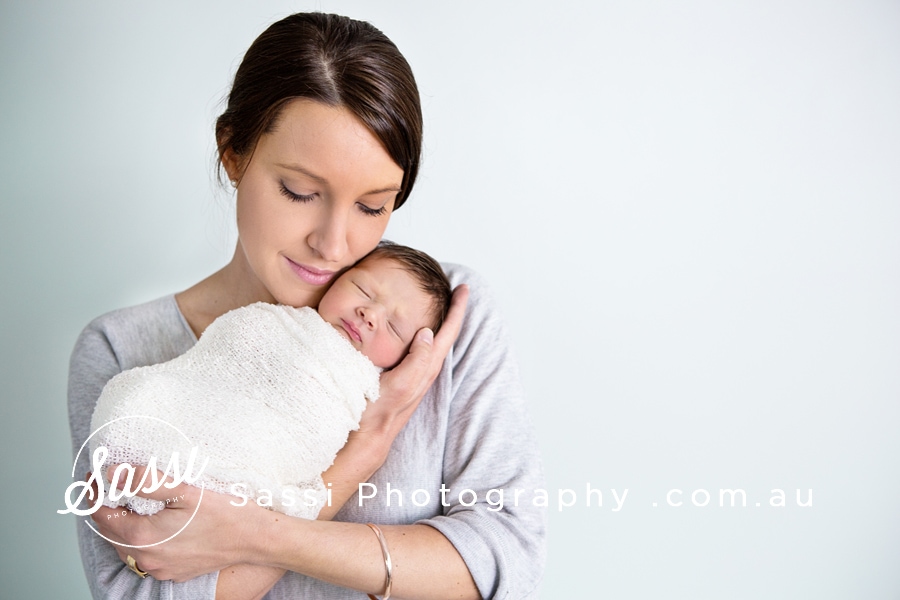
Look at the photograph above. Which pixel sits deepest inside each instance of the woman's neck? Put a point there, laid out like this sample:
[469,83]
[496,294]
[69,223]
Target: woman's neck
[233,286]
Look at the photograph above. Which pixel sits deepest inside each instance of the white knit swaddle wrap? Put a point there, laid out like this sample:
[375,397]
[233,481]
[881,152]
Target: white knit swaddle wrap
[269,393]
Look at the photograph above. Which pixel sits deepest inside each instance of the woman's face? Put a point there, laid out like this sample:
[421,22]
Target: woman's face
[314,197]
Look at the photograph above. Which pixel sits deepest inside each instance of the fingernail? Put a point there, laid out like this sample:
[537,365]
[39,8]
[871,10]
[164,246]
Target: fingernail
[427,336]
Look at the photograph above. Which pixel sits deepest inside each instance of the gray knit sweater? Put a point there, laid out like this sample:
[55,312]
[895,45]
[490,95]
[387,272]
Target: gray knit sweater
[471,432]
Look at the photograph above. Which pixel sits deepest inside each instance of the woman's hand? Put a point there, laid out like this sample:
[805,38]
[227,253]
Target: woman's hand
[210,540]
[402,388]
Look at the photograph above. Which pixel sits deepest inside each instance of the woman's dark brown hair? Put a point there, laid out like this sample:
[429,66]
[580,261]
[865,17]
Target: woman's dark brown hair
[336,61]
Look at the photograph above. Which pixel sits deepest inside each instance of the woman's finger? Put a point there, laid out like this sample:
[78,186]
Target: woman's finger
[403,387]
[444,339]
[102,514]
[148,483]
[415,374]
[404,384]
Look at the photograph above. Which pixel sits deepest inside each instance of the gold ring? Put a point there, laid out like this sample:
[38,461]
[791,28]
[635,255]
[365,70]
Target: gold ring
[132,564]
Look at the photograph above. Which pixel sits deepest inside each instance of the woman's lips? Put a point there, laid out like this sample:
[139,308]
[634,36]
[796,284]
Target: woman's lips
[310,275]
[351,330]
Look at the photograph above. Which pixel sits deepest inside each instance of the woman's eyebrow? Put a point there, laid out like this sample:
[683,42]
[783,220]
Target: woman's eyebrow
[390,188]
[299,169]
[319,179]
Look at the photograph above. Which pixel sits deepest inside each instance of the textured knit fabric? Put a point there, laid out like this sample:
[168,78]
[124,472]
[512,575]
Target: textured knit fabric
[471,432]
[267,397]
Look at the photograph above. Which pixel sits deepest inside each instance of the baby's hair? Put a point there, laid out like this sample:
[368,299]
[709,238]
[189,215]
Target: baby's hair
[427,272]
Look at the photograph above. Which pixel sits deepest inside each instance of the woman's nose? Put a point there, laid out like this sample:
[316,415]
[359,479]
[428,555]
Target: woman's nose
[329,237]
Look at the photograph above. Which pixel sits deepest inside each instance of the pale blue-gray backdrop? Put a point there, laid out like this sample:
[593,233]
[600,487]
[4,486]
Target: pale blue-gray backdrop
[689,212]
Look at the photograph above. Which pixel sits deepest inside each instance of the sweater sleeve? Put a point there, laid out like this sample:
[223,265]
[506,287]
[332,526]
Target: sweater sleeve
[93,362]
[491,451]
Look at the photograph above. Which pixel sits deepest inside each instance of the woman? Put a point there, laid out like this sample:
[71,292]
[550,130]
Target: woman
[321,140]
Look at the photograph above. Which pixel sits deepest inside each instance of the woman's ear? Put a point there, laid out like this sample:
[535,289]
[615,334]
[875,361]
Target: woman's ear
[232,164]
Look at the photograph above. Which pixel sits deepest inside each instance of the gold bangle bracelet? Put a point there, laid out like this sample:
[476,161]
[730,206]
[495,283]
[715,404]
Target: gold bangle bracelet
[388,570]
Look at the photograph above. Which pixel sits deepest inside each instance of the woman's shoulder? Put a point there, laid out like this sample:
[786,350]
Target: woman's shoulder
[459,274]
[483,328]
[481,298]
[138,335]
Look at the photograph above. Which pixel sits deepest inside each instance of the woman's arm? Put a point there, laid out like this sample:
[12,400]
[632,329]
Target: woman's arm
[402,388]
[103,350]
[490,449]
[425,564]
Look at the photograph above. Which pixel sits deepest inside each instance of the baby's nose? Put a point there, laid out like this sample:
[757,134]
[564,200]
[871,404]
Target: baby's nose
[370,315]
[367,316]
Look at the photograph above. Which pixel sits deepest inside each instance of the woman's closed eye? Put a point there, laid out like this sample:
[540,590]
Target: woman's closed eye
[296,197]
[364,208]
[372,212]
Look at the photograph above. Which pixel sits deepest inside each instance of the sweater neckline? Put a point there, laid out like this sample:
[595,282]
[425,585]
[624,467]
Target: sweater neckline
[182,319]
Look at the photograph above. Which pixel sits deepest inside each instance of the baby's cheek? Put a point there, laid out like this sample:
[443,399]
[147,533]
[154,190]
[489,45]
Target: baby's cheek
[386,354]
[400,351]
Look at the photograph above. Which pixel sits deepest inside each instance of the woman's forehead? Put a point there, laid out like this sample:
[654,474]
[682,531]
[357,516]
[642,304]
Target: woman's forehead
[331,145]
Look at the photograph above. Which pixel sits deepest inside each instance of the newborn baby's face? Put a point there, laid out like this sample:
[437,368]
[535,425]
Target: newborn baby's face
[379,307]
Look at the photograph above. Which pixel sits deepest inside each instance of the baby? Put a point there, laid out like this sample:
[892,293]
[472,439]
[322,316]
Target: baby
[269,393]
